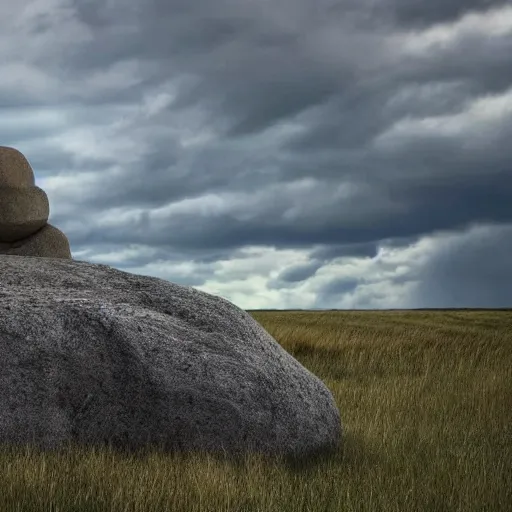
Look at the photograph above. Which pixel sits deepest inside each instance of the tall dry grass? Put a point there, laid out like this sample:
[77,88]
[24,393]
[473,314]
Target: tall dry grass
[426,405]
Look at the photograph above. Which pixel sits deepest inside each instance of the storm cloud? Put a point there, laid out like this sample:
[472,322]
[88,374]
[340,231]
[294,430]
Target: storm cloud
[285,154]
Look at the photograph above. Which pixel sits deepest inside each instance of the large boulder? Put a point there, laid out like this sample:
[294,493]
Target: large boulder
[91,355]
[24,211]
[15,171]
[47,242]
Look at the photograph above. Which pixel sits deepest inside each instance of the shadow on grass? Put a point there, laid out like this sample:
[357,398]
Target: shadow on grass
[351,454]
[238,458]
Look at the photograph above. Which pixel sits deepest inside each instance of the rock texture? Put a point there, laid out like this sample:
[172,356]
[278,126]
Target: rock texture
[24,211]
[95,356]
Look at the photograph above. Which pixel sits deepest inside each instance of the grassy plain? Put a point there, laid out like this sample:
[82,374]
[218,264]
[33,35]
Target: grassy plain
[426,405]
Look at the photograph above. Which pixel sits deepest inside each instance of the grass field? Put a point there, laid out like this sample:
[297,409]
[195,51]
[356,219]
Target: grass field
[426,405]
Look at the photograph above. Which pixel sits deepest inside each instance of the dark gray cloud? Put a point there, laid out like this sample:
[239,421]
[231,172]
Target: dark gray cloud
[421,13]
[468,272]
[260,148]
[299,273]
[339,287]
[330,252]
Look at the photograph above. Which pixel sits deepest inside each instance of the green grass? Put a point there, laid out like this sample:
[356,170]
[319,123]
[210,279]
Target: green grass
[426,405]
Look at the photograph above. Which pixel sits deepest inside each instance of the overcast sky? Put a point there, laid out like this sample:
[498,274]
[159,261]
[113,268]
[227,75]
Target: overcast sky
[283,154]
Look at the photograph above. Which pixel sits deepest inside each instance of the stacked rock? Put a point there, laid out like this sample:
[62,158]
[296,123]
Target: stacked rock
[24,211]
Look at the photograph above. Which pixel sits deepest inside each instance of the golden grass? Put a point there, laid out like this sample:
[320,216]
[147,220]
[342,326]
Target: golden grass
[426,406]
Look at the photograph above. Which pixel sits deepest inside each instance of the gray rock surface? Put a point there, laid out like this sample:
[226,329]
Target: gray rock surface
[92,355]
